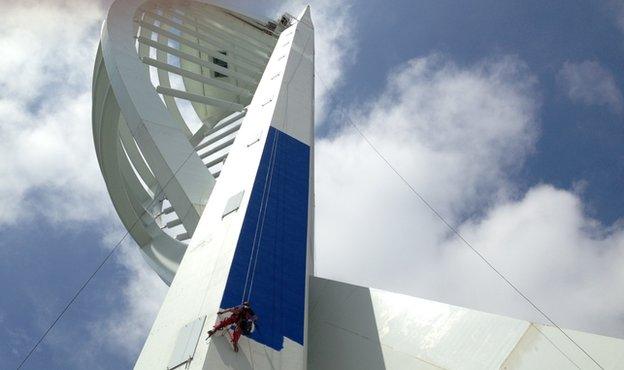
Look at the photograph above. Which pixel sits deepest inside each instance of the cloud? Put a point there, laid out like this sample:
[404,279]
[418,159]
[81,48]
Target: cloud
[590,83]
[562,258]
[460,135]
[50,173]
[454,132]
[49,167]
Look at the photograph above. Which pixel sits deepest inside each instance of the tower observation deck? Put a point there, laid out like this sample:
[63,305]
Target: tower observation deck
[203,122]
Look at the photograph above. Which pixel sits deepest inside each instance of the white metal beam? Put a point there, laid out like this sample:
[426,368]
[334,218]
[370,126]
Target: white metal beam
[228,105]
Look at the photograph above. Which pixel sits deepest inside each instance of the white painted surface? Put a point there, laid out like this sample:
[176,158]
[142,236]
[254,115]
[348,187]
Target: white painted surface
[145,141]
[292,66]
[353,327]
[186,343]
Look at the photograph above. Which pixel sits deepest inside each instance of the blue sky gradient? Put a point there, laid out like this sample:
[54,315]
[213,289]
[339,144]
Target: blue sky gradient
[577,142]
[46,251]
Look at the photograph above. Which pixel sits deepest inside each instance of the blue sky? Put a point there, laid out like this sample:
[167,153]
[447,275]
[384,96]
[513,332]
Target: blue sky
[578,142]
[508,116]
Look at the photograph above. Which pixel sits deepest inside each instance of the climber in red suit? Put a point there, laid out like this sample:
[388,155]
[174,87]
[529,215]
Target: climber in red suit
[242,317]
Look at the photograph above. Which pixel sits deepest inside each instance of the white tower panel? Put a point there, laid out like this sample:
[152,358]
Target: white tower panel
[353,327]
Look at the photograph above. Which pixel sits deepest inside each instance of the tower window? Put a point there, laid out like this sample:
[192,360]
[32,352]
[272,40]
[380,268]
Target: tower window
[221,63]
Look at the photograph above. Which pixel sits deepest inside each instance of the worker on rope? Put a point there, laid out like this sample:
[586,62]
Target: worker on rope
[243,319]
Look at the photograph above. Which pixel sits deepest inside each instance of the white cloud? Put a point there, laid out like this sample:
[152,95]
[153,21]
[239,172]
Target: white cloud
[459,135]
[568,263]
[49,168]
[49,165]
[590,83]
[452,132]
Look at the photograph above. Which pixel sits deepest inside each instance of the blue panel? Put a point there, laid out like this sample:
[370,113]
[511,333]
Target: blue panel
[269,265]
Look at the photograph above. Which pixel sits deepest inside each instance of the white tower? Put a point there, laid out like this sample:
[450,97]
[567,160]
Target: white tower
[222,208]
[203,127]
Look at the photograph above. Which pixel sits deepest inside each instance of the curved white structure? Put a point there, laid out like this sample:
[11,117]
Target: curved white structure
[203,127]
[156,61]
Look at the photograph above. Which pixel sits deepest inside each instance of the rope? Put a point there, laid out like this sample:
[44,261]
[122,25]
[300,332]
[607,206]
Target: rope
[263,202]
[460,236]
[99,267]
[554,345]
[263,217]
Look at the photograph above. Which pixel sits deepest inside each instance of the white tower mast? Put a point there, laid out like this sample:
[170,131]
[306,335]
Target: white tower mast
[223,210]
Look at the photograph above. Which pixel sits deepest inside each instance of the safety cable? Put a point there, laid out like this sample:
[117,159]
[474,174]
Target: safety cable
[455,231]
[253,274]
[263,202]
[554,345]
[102,263]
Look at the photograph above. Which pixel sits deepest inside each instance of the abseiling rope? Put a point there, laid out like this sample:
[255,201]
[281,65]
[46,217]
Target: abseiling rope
[260,222]
[253,274]
[266,192]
